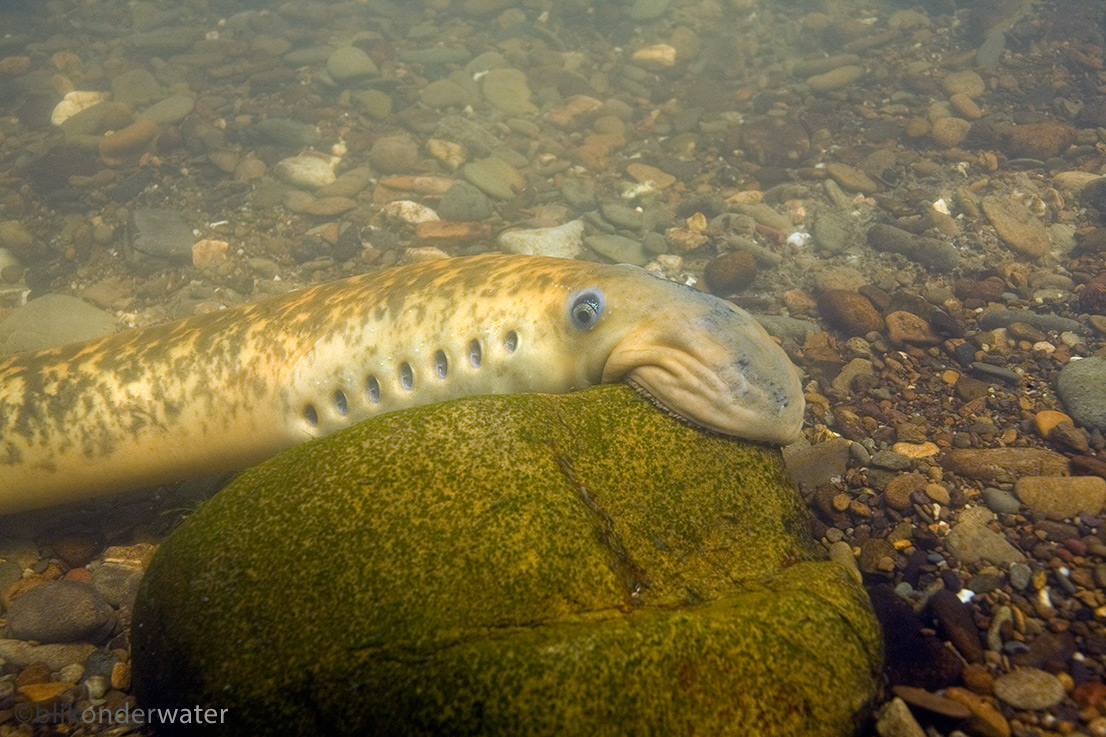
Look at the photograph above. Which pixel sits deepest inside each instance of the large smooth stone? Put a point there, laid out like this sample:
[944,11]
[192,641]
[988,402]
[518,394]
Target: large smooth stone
[514,565]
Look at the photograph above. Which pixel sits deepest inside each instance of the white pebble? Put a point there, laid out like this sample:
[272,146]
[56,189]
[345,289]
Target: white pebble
[309,170]
[562,241]
[73,103]
[409,212]
[97,686]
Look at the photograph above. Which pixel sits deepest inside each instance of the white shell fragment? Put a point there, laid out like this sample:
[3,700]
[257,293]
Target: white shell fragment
[798,239]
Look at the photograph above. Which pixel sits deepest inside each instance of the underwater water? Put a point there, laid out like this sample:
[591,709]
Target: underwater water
[909,197]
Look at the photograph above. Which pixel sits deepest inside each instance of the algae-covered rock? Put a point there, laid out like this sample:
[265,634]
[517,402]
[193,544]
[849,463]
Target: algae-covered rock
[516,565]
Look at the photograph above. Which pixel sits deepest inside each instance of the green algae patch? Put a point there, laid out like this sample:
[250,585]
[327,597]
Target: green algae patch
[577,564]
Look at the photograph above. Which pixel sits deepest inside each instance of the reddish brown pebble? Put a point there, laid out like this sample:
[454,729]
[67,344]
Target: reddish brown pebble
[1093,297]
[902,487]
[1073,437]
[444,233]
[988,290]
[76,549]
[850,312]
[1076,546]
[1092,241]
[1090,694]
[955,623]
[33,673]
[1085,464]
[906,327]
[876,556]
[81,575]
[775,142]
[1036,140]
[730,273]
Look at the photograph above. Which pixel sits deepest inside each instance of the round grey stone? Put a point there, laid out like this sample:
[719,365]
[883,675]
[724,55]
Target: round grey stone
[349,63]
[136,87]
[61,611]
[1000,501]
[1020,575]
[1081,386]
[443,93]
[464,202]
[374,103]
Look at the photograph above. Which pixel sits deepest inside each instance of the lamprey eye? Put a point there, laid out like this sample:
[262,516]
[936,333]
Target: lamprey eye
[586,308]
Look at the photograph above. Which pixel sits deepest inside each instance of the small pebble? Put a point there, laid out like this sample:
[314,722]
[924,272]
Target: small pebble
[1016,226]
[1029,688]
[850,312]
[61,611]
[1020,575]
[348,63]
[950,132]
[730,273]
[1001,501]
[1081,386]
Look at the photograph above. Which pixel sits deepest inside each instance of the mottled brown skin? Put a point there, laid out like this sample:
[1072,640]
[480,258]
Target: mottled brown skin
[222,391]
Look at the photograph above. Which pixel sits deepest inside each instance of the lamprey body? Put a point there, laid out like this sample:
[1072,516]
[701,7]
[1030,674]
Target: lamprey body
[224,390]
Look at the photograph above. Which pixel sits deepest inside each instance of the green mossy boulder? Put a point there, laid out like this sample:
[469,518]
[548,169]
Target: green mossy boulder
[517,565]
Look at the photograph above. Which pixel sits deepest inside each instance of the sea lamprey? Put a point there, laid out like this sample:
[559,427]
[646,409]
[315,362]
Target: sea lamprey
[221,391]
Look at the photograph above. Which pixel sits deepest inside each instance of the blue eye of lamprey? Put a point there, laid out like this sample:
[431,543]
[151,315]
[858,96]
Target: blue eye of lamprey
[586,309]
